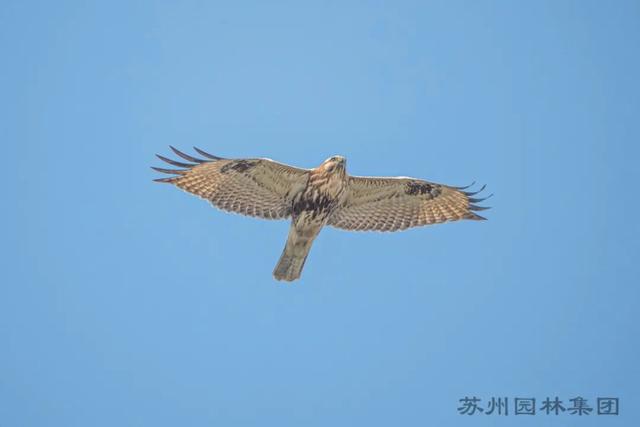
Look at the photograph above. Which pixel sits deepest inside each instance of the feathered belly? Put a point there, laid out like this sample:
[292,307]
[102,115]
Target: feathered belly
[317,204]
[313,208]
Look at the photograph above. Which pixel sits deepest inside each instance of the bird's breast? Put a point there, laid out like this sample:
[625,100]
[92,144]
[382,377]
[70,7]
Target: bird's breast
[319,198]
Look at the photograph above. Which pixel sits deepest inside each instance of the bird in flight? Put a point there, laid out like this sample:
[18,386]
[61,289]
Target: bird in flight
[313,198]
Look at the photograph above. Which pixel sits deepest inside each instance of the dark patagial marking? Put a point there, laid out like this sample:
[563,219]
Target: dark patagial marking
[414,188]
[238,166]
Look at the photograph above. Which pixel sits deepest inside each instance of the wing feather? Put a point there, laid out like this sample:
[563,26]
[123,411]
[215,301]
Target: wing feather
[392,204]
[254,187]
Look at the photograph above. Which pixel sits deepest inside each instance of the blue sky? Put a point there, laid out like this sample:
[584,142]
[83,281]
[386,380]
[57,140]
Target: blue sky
[125,302]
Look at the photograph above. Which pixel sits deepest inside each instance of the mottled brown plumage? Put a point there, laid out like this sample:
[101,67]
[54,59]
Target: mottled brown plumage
[313,198]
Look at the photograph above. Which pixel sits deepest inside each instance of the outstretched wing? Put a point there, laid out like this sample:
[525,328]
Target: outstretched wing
[255,187]
[392,204]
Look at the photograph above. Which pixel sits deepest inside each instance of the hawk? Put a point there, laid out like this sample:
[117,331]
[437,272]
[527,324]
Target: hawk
[316,197]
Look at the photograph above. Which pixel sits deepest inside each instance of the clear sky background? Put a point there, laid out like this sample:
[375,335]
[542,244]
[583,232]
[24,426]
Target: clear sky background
[129,303]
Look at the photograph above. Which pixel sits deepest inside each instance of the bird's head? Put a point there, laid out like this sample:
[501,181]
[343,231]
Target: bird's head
[335,164]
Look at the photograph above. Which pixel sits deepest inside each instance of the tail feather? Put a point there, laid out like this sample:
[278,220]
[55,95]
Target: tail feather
[289,267]
[294,255]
